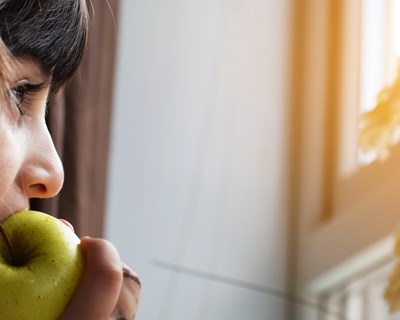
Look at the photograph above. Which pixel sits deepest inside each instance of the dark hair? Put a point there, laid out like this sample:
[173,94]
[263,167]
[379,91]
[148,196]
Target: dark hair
[53,32]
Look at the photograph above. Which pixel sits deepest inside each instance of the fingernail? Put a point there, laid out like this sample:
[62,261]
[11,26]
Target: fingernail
[128,274]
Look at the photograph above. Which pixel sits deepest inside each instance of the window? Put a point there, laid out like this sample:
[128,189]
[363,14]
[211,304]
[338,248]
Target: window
[379,54]
[371,52]
[346,206]
[376,56]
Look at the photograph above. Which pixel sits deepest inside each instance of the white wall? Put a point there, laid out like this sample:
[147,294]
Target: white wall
[198,156]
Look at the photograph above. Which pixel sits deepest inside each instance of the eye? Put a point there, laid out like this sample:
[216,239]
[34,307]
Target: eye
[21,95]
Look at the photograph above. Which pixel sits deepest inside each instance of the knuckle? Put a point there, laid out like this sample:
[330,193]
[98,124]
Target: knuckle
[111,274]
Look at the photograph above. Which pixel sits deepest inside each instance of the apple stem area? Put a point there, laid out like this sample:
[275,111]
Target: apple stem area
[8,244]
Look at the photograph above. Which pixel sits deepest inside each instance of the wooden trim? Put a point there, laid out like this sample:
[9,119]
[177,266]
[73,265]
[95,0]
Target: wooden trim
[295,143]
[334,39]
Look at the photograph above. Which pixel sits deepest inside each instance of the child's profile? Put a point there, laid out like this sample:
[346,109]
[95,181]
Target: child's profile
[42,44]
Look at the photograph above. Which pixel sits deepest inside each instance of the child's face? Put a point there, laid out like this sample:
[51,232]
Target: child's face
[29,164]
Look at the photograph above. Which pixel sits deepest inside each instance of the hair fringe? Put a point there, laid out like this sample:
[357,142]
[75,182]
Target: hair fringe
[6,71]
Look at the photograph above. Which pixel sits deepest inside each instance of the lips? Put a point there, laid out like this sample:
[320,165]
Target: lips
[6,212]
[11,202]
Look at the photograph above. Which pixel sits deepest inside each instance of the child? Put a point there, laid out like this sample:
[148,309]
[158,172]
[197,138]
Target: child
[45,41]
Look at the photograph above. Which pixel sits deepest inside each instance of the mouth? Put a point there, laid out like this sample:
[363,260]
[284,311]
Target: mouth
[7,210]
[12,200]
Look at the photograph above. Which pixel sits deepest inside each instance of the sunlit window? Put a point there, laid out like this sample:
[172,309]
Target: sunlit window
[379,54]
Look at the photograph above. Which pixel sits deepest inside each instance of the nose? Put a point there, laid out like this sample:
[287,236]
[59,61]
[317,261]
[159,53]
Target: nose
[42,174]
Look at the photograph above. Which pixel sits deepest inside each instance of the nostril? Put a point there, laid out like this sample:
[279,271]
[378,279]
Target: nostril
[39,188]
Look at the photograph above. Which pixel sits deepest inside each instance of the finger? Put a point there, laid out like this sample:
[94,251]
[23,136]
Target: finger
[101,284]
[128,300]
[129,274]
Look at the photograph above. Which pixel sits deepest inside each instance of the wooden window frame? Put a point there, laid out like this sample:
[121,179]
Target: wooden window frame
[341,225]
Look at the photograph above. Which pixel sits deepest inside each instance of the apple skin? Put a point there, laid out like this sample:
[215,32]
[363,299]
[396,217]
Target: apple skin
[49,267]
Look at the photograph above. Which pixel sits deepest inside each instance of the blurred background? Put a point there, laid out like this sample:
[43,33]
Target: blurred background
[196,196]
[236,187]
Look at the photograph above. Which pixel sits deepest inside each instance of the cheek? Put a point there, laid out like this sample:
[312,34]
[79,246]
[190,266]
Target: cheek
[9,156]
[9,114]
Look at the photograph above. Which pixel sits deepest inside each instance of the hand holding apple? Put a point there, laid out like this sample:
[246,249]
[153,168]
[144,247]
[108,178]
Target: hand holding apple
[108,289]
[41,265]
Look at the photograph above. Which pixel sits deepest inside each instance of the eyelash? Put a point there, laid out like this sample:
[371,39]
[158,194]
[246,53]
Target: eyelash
[21,93]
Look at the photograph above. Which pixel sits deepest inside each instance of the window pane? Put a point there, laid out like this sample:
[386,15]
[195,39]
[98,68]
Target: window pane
[380,48]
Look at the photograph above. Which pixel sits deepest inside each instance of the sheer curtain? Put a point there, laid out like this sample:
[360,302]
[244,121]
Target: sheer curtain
[79,121]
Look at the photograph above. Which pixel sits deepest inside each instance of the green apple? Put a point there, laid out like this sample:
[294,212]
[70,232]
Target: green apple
[40,266]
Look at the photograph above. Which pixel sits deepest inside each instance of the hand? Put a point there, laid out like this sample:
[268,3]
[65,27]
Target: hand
[108,290]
